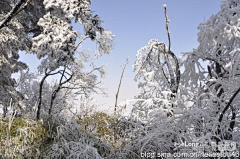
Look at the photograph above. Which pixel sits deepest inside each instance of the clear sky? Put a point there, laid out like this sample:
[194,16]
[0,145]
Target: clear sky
[134,23]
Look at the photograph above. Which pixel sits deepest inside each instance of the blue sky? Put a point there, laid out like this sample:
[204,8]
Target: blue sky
[134,23]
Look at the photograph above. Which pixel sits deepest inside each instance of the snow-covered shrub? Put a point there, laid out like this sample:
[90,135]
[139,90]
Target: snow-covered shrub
[100,125]
[20,137]
[70,140]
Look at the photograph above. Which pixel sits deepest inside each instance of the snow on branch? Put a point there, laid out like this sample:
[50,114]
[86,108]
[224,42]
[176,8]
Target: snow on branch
[15,10]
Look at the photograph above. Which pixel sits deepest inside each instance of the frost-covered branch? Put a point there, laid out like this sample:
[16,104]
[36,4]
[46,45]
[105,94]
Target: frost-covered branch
[59,87]
[15,10]
[79,43]
[228,105]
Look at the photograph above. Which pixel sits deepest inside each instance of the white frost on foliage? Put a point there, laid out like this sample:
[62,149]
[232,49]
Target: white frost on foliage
[105,42]
[10,44]
[57,42]
[80,10]
[72,142]
[69,7]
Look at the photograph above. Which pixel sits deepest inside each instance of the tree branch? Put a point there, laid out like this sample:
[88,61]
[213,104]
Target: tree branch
[15,10]
[25,6]
[164,74]
[54,95]
[228,105]
[84,38]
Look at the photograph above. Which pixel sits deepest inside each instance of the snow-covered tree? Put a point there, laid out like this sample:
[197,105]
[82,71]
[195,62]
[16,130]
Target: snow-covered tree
[57,44]
[45,29]
[202,106]
[17,27]
[218,96]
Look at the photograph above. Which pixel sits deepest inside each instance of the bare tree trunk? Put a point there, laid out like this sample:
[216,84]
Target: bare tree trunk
[40,96]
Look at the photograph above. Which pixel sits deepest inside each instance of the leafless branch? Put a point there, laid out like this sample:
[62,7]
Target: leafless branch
[115,108]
